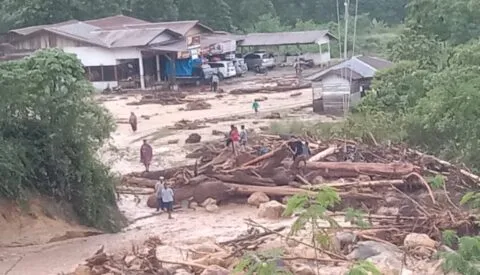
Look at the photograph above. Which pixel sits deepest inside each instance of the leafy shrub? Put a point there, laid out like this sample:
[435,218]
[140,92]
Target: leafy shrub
[50,132]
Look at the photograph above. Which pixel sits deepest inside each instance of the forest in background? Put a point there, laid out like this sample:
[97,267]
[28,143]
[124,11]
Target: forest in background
[378,22]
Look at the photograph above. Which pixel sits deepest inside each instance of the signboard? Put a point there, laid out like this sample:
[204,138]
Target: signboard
[183,55]
[223,47]
[193,41]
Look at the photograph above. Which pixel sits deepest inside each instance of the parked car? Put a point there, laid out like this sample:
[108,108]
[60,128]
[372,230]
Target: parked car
[225,68]
[240,66]
[259,59]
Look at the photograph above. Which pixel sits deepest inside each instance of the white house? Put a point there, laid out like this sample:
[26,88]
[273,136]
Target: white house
[337,88]
[117,49]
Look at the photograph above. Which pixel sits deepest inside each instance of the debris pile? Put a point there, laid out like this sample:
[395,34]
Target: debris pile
[185,124]
[199,104]
[390,184]
[163,98]
[279,87]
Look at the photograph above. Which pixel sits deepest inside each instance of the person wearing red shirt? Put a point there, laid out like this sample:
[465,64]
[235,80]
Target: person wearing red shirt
[233,137]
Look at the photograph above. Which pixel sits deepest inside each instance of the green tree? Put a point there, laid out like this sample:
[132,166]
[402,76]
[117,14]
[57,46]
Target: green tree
[154,11]
[50,131]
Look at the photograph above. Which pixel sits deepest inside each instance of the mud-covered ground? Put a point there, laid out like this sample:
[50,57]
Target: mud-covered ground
[28,242]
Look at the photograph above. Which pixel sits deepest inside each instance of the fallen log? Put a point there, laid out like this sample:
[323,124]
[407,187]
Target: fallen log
[283,191]
[378,183]
[325,153]
[167,173]
[355,169]
[241,178]
[139,182]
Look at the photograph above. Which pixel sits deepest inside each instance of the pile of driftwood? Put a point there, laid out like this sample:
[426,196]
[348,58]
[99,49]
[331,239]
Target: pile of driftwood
[391,184]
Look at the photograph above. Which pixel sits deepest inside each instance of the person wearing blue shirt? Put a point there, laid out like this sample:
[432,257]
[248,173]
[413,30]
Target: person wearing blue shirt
[167,199]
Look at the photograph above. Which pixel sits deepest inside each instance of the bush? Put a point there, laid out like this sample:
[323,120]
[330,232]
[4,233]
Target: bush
[51,130]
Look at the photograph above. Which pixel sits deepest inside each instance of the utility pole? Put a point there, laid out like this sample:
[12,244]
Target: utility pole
[345,43]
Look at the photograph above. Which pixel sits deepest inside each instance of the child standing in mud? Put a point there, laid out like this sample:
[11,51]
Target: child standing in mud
[255,106]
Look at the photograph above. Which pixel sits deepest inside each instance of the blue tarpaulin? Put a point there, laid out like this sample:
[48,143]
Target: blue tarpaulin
[183,67]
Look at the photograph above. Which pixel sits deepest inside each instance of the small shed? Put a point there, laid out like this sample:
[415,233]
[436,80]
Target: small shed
[341,86]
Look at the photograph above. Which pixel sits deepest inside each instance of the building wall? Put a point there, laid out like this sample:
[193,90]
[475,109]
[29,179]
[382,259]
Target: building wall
[196,30]
[97,56]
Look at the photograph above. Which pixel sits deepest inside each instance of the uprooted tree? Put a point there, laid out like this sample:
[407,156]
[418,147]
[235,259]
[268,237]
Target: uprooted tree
[50,132]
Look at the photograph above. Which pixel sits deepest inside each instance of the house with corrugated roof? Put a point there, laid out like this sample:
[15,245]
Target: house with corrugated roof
[118,49]
[337,88]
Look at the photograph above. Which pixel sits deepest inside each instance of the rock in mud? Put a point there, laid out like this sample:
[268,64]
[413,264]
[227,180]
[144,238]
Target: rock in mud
[343,239]
[415,240]
[152,201]
[296,94]
[274,115]
[212,208]
[193,138]
[271,210]
[258,198]
[208,201]
[83,270]
[302,269]
[366,249]
[173,141]
[215,270]
[389,211]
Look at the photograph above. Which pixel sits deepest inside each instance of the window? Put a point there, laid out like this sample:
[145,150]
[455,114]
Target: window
[95,73]
[108,73]
[100,73]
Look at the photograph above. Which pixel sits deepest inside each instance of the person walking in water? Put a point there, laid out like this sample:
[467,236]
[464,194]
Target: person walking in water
[215,81]
[255,105]
[146,154]
[133,121]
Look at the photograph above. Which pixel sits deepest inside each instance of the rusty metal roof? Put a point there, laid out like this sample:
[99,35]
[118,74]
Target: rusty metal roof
[181,27]
[284,38]
[115,21]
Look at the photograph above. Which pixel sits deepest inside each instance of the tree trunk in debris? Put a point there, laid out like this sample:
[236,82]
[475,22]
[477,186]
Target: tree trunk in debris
[269,89]
[354,169]
[167,173]
[241,178]
[325,153]
[139,182]
[282,191]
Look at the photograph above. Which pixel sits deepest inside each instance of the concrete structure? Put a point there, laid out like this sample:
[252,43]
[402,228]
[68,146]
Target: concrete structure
[118,49]
[341,86]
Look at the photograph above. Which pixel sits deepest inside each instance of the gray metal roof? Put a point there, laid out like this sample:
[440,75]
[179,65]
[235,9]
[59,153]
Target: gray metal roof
[181,27]
[284,38]
[115,21]
[356,64]
[32,29]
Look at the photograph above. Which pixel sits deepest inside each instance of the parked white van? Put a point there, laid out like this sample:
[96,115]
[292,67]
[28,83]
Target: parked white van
[225,68]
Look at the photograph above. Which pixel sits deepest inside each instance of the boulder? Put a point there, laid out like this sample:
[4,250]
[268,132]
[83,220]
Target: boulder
[212,208]
[258,198]
[193,138]
[271,210]
[415,240]
[285,199]
[83,270]
[302,269]
[215,270]
[208,201]
[366,249]
[343,239]
[318,180]
[388,211]
[152,201]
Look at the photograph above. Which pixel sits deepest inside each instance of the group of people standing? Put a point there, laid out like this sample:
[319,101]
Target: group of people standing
[237,139]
